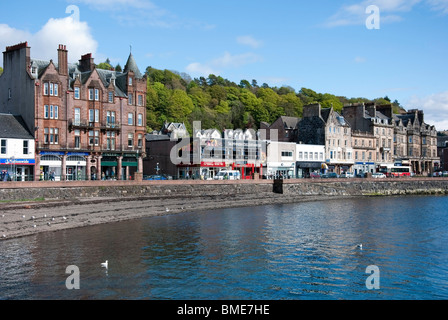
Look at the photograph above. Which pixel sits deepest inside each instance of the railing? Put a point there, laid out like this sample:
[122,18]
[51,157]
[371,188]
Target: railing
[41,146]
[85,125]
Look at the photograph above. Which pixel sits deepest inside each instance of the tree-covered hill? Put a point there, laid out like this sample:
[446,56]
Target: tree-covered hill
[222,104]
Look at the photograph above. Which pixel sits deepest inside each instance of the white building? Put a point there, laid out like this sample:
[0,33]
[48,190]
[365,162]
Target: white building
[310,158]
[281,159]
[17,146]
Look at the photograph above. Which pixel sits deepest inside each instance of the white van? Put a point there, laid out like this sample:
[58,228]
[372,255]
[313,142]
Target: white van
[228,175]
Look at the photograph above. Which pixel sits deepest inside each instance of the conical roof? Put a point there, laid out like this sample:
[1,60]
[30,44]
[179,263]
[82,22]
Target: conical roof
[131,65]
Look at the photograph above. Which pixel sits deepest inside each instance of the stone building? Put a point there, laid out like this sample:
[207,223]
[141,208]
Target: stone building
[370,119]
[416,142]
[327,127]
[88,123]
[364,152]
[285,129]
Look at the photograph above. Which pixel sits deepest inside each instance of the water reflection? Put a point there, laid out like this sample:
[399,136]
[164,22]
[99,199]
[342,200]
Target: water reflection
[299,251]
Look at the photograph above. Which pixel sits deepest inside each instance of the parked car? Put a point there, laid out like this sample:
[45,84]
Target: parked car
[378,175]
[155,177]
[437,174]
[315,175]
[330,175]
[347,175]
[445,174]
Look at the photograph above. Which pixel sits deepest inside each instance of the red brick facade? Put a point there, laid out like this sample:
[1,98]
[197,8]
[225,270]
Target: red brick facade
[89,123]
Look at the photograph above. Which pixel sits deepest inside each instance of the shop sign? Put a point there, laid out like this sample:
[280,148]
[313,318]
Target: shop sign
[213,164]
[17,161]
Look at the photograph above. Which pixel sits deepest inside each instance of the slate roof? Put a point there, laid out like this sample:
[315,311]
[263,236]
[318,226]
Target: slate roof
[290,122]
[13,127]
[131,65]
[105,75]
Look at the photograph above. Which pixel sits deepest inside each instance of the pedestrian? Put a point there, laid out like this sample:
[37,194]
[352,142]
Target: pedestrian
[52,175]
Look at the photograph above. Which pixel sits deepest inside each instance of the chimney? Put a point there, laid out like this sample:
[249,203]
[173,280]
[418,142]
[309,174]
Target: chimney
[387,110]
[371,109]
[86,63]
[62,60]
[312,110]
[17,51]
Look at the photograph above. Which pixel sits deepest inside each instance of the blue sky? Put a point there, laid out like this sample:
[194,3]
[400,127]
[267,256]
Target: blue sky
[322,45]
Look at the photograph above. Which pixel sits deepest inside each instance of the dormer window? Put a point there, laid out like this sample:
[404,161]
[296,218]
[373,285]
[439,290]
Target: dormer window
[111,96]
[77,93]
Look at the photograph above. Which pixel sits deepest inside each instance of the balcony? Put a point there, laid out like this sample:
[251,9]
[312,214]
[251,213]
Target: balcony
[86,125]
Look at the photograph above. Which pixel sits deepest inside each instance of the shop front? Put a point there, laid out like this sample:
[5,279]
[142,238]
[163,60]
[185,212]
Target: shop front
[248,171]
[109,166]
[304,169]
[188,171]
[51,166]
[76,166]
[210,169]
[17,169]
[281,170]
[361,168]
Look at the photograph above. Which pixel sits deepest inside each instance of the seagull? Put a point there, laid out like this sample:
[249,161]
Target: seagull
[52,219]
[3,215]
[105,264]
[64,218]
[359,246]
[33,217]
[49,223]
[34,226]
[167,210]
[45,215]
[4,236]
[23,217]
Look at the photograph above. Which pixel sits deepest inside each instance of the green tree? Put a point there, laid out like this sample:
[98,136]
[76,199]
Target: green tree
[291,104]
[199,98]
[105,65]
[1,70]
[179,106]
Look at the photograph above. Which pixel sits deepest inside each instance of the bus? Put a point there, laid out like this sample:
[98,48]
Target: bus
[400,171]
[396,171]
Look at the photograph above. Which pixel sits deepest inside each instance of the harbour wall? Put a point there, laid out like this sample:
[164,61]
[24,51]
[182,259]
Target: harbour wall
[21,191]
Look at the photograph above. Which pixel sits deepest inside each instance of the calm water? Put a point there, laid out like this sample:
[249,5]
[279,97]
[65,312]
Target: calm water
[298,251]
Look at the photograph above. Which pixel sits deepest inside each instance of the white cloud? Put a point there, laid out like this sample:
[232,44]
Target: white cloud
[142,13]
[390,11]
[197,68]
[439,5]
[435,107]
[226,61]
[359,60]
[74,34]
[249,41]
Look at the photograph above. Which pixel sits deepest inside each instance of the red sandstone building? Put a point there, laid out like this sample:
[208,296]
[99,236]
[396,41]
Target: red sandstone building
[88,123]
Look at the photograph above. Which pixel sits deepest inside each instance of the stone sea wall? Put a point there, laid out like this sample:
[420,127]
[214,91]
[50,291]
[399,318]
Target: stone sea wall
[172,189]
